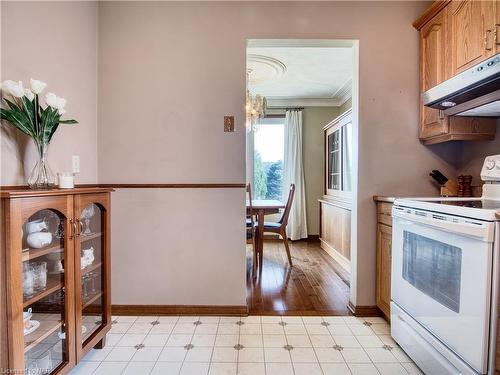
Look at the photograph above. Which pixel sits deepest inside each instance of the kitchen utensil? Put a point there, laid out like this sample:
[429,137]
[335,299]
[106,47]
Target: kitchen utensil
[39,275]
[27,318]
[88,254]
[34,324]
[38,240]
[450,187]
[464,186]
[36,226]
[57,267]
[28,280]
[87,213]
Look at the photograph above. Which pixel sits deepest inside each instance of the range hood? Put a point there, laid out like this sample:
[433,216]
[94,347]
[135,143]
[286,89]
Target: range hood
[474,92]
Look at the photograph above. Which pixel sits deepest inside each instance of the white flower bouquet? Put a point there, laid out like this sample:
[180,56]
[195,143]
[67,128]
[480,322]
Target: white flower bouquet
[26,114]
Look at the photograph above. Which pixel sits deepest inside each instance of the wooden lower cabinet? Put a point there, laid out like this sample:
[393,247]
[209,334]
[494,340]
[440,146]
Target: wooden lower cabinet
[55,278]
[384,258]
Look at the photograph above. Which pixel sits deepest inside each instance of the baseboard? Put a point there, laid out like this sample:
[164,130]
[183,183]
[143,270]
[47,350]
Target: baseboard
[178,310]
[312,238]
[364,310]
[276,237]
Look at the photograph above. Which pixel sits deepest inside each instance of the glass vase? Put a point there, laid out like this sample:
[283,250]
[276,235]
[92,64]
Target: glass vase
[41,177]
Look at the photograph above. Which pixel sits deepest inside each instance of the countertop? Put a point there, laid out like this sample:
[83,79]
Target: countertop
[381,198]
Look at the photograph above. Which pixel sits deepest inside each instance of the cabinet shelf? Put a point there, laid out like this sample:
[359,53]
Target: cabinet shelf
[88,237]
[53,285]
[30,254]
[89,300]
[46,328]
[91,268]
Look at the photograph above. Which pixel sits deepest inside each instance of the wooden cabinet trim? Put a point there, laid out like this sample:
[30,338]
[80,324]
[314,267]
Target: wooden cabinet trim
[434,9]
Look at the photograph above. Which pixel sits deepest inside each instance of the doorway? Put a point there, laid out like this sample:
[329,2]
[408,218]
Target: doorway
[304,87]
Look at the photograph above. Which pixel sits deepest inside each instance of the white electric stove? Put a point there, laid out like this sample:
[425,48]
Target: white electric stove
[445,278]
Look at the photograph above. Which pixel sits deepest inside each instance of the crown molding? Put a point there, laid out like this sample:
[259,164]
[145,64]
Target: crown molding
[343,94]
[302,102]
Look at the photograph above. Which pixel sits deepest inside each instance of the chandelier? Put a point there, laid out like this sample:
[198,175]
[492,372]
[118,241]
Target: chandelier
[255,107]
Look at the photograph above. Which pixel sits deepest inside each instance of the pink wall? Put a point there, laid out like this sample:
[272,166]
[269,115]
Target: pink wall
[170,71]
[55,42]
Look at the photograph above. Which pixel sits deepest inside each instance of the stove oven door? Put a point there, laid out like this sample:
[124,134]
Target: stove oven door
[441,276]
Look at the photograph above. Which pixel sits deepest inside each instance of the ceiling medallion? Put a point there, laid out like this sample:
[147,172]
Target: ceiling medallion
[264,68]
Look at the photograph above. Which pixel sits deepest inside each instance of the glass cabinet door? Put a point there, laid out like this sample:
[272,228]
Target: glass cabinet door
[91,265]
[334,177]
[43,289]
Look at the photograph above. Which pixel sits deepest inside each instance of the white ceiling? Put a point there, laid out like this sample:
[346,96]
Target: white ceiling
[316,75]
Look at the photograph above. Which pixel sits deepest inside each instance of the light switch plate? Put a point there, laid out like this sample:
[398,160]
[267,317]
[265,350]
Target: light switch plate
[228,124]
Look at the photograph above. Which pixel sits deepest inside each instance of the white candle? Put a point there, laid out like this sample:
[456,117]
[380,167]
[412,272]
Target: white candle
[66,181]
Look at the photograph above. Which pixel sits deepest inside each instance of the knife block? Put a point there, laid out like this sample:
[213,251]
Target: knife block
[450,189]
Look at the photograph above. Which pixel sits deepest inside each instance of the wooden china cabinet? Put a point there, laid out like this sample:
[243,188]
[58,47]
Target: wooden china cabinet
[54,277]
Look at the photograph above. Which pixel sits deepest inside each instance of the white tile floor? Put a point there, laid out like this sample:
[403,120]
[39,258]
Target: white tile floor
[254,345]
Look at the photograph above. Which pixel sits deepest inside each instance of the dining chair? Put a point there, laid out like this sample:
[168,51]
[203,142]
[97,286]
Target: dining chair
[251,226]
[279,227]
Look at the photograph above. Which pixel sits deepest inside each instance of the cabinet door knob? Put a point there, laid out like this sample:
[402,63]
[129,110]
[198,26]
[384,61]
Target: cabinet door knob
[80,227]
[73,229]
[495,34]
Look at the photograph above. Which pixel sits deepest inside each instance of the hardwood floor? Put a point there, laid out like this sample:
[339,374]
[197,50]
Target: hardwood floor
[315,285]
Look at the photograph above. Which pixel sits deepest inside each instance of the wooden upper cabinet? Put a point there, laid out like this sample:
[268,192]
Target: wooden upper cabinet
[471,32]
[497,27]
[433,71]
[433,51]
[454,36]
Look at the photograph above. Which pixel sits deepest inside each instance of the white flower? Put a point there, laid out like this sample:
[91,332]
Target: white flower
[29,94]
[55,102]
[13,88]
[37,86]
[61,111]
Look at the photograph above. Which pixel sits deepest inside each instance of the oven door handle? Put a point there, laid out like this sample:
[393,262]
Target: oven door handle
[482,232]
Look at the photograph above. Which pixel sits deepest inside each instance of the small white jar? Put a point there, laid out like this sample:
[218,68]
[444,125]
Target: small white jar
[66,180]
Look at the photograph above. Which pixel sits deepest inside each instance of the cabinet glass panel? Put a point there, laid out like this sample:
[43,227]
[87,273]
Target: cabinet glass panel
[43,265]
[91,264]
[334,177]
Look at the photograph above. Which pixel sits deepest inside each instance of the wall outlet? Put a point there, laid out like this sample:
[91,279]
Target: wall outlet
[75,161]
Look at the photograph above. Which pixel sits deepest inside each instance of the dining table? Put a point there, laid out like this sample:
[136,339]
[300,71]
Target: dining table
[260,208]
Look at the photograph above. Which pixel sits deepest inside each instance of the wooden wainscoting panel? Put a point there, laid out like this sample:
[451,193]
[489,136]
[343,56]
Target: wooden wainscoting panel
[335,233]
[178,310]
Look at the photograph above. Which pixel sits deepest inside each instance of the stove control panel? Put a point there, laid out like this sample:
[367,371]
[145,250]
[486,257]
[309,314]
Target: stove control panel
[491,168]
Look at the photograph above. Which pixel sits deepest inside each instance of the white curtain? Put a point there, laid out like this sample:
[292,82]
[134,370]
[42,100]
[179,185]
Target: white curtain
[249,157]
[293,173]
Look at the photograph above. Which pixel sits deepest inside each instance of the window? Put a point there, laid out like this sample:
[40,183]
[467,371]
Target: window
[339,156]
[269,143]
